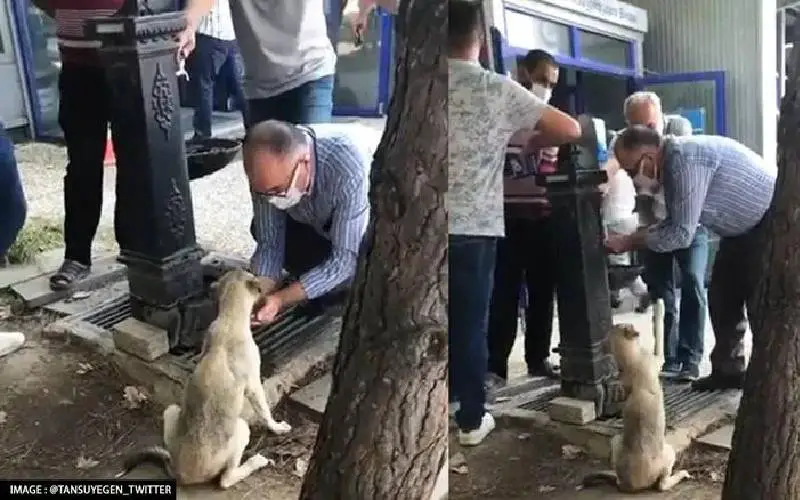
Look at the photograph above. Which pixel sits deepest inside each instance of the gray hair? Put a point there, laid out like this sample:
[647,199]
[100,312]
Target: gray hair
[277,137]
[641,97]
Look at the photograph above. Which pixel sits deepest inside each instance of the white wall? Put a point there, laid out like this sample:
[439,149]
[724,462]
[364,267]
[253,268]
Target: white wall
[736,36]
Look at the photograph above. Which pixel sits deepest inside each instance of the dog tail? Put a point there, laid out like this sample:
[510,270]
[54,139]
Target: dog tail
[156,455]
[659,310]
[600,478]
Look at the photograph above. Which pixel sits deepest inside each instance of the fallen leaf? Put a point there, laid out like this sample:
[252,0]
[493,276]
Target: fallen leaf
[570,451]
[547,489]
[524,436]
[84,368]
[79,295]
[3,417]
[715,477]
[134,397]
[461,470]
[86,463]
[458,464]
[300,467]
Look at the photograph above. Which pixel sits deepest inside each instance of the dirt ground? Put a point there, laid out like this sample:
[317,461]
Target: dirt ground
[66,413]
[516,463]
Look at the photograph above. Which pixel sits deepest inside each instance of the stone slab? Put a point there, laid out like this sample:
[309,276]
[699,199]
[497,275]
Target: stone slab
[46,262]
[82,333]
[314,396]
[141,339]
[572,411]
[72,306]
[36,292]
[720,438]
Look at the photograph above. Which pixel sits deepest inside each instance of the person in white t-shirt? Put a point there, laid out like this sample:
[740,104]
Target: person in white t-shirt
[484,110]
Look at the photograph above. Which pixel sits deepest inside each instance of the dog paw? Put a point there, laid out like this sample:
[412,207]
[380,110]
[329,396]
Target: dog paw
[280,427]
[259,461]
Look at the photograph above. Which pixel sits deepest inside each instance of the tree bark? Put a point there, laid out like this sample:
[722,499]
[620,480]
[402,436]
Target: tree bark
[765,460]
[384,432]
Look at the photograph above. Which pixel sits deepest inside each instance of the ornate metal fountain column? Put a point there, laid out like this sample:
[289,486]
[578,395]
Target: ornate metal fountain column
[588,370]
[157,232]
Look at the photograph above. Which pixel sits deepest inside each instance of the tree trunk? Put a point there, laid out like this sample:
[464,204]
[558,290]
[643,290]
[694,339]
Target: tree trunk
[384,432]
[765,459]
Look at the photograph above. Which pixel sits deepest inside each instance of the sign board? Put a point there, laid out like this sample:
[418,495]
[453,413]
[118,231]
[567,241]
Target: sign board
[611,11]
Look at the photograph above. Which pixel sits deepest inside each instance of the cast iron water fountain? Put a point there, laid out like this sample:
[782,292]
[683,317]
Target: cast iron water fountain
[168,282]
[588,371]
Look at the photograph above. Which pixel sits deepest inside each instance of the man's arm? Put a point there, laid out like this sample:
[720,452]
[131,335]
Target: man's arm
[349,223]
[526,111]
[196,9]
[685,190]
[269,231]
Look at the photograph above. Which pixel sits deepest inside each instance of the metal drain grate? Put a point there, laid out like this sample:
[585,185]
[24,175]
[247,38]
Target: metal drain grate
[109,313]
[289,334]
[679,400]
[278,341]
[541,402]
[529,385]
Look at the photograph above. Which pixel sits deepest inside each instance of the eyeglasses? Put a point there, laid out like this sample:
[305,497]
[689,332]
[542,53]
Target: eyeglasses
[282,189]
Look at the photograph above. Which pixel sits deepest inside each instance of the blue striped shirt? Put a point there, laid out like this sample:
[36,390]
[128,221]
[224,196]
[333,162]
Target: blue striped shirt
[339,195]
[714,181]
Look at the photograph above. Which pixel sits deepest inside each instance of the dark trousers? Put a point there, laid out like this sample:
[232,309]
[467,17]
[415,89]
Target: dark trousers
[83,114]
[212,57]
[311,102]
[526,256]
[471,261]
[12,197]
[733,284]
[684,328]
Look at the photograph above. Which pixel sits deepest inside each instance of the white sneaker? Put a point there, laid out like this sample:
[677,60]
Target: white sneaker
[475,437]
[10,342]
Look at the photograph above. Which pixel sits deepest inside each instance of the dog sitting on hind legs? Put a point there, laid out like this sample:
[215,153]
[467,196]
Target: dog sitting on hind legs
[205,437]
[641,458]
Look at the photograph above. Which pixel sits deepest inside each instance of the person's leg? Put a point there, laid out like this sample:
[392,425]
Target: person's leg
[208,57]
[12,196]
[83,116]
[503,318]
[471,270]
[541,275]
[692,263]
[732,284]
[661,285]
[311,102]
[234,72]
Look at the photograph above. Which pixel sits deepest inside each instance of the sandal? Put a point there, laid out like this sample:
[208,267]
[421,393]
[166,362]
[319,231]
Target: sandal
[70,273]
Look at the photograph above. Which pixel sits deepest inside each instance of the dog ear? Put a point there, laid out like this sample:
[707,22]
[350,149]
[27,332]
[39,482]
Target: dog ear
[253,284]
[630,332]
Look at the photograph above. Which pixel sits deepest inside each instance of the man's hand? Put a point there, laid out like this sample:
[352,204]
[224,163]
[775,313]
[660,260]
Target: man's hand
[195,10]
[618,243]
[269,310]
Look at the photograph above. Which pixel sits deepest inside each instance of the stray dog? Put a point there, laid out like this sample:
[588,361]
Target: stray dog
[205,437]
[641,458]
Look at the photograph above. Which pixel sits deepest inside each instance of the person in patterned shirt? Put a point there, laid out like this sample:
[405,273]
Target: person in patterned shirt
[484,110]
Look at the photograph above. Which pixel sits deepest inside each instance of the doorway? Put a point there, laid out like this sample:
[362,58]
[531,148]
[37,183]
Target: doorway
[12,100]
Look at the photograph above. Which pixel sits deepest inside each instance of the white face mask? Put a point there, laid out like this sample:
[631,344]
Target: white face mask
[645,185]
[290,198]
[541,92]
